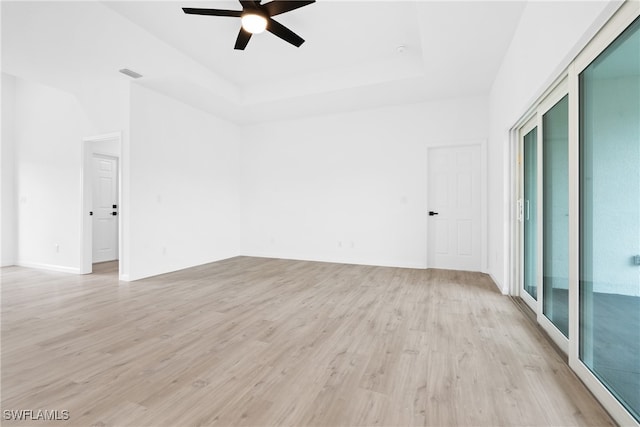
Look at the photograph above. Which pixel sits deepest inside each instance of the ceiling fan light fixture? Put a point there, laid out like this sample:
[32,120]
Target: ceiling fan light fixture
[257,17]
[254,23]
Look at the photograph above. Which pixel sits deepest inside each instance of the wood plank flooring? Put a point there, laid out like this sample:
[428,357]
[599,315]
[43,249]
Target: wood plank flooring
[263,342]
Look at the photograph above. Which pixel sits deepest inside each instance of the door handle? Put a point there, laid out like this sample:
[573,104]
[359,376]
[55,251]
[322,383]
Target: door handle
[432,213]
[114,213]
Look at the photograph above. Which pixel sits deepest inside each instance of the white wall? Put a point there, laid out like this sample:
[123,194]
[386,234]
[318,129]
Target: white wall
[349,187]
[549,36]
[184,186]
[49,125]
[7,158]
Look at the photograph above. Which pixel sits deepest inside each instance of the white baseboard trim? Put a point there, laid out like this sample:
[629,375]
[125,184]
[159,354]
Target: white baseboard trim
[502,289]
[51,267]
[172,268]
[332,260]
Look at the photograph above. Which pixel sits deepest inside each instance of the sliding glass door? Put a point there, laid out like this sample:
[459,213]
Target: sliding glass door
[555,217]
[609,277]
[578,210]
[544,215]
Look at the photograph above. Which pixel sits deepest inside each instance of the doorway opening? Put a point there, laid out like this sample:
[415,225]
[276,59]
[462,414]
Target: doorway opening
[101,203]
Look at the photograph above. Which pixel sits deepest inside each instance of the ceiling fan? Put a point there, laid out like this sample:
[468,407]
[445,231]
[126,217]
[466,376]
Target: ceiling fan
[257,17]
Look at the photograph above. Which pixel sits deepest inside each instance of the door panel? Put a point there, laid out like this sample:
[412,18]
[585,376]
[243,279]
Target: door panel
[454,193]
[530,213]
[555,223]
[609,283]
[105,196]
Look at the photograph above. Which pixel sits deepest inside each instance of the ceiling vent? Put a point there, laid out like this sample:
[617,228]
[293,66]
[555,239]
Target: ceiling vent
[130,73]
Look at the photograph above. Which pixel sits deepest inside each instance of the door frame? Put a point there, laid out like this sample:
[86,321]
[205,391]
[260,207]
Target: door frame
[86,197]
[482,144]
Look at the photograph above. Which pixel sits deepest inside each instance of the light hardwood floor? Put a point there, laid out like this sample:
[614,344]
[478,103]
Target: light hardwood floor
[251,341]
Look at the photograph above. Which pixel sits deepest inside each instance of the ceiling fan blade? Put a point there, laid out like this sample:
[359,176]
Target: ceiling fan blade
[243,39]
[250,4]
[284,33]
[276,7]
[212,12]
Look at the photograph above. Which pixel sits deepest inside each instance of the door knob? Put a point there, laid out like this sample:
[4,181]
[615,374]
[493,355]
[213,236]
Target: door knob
[432,213]
[114,213]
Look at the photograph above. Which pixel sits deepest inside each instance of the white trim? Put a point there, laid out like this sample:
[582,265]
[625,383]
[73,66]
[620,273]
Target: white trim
[503,290]
[50,267]
[511,247]
[103,137]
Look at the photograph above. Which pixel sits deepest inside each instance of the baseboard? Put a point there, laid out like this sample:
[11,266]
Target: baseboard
[393,264]
[172,269]
[502,289]
[51,267]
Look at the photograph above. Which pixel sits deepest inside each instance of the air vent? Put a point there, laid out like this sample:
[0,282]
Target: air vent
[130,73]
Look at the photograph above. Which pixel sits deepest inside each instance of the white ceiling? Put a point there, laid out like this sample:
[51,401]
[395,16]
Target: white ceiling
[326,26]
[350,59]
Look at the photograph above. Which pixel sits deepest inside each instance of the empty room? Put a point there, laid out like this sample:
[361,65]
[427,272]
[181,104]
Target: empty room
[320,213]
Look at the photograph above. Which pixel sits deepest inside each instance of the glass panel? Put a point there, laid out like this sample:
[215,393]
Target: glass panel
[555,224]
[530,209]
[610,218]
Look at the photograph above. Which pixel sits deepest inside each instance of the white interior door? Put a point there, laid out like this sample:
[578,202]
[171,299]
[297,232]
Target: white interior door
[105,208]
[455,210]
